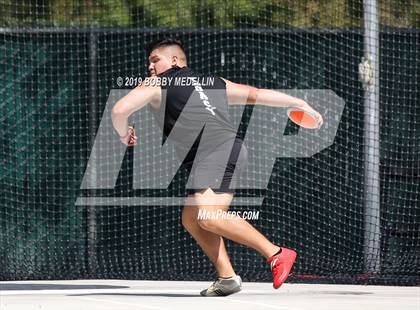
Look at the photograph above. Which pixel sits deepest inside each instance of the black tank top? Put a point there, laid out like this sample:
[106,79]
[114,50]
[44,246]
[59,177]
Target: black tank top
[199,111]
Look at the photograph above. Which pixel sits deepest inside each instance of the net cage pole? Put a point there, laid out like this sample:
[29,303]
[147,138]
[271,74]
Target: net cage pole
[91,210]
[371,137]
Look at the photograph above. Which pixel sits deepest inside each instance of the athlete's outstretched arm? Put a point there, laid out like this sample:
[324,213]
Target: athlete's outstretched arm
[133,101]
[245,94]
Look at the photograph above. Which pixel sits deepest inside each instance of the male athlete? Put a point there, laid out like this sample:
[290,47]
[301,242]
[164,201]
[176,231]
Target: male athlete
[210,192]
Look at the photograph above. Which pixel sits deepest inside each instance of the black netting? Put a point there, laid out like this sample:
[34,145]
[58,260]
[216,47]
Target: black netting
[60,59]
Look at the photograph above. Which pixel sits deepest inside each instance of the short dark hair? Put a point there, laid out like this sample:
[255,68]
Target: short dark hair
[162,43]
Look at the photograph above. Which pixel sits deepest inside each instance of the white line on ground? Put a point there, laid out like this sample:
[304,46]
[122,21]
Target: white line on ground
[121,303]
[253,303]
[93,291]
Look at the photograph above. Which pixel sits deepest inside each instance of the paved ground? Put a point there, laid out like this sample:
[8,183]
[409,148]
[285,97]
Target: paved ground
[122,295]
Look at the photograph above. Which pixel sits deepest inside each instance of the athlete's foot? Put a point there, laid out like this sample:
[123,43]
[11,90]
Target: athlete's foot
[223,287]
[281,264]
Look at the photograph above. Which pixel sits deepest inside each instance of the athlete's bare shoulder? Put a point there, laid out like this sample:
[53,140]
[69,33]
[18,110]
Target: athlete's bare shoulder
[151,86]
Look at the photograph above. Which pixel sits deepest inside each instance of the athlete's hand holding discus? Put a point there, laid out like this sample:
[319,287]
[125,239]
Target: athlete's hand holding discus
[304,115]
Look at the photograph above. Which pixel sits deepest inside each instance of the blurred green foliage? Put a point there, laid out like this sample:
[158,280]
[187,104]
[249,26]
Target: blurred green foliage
[204,13]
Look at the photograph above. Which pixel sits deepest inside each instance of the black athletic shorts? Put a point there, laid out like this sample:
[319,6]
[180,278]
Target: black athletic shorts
[213,172]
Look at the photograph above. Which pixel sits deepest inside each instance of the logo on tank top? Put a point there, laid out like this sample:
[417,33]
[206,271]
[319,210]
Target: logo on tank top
[203,97]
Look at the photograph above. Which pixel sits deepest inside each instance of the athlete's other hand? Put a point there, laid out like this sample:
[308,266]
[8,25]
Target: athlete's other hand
[130,139]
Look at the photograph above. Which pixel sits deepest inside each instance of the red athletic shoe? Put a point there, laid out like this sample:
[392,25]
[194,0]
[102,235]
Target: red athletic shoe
[281,264]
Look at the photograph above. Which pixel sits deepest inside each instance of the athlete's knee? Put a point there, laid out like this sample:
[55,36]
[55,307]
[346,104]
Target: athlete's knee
[189,224]
[189,221]
[208,224]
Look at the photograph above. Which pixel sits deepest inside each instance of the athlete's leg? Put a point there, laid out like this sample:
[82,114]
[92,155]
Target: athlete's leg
[211,243]
[236,229]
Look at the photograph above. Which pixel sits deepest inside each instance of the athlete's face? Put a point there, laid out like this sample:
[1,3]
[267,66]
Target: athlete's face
[158,62]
